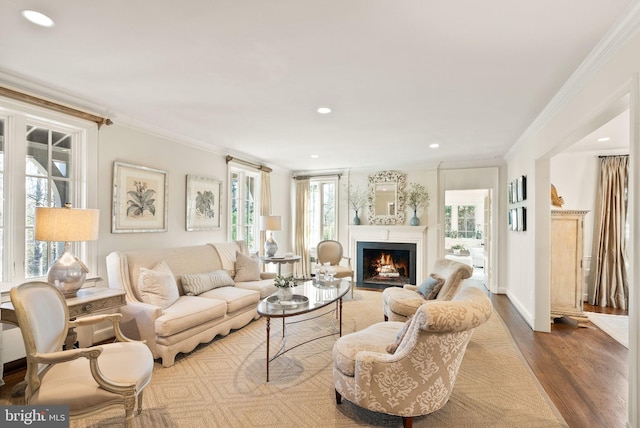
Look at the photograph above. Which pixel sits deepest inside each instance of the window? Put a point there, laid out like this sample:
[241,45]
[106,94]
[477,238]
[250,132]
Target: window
[447,221]
[45,161]
[322,208]
[244,209]
[466,221]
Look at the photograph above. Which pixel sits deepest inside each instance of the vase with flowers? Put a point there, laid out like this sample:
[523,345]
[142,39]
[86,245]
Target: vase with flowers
[417,197]
[284,284]
[356,197]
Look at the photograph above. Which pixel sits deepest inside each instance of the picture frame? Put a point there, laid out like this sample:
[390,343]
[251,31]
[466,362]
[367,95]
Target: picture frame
[514,219]
[140,199]
[509,190]
[522,219]
[203,203]
[514,191]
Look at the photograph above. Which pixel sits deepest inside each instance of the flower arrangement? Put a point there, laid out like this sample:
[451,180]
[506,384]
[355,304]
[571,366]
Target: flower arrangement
[356,197]
[417,196]
[284,281]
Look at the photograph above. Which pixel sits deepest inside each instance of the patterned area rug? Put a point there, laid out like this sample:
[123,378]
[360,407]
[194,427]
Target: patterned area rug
[222,384]
[616,326]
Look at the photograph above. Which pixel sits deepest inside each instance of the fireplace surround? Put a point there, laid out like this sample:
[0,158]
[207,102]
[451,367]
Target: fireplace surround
[390,234]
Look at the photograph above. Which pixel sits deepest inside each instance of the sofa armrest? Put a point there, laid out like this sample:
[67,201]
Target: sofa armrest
[267,275]
[138,323]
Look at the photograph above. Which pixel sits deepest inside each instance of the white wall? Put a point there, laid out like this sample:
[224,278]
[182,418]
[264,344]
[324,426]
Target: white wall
[568,120]
[120,143]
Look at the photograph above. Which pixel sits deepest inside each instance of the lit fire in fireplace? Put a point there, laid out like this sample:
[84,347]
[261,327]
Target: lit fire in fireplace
[386,267]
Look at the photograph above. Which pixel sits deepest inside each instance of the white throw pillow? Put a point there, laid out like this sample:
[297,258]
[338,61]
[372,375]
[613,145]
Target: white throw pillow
[158,286]
[197,283]
[247,268]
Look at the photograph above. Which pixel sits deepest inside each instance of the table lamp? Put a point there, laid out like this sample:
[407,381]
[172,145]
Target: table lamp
[67,225]
[270,223]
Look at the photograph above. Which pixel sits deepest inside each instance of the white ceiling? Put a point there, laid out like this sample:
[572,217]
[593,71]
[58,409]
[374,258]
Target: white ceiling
[246,76]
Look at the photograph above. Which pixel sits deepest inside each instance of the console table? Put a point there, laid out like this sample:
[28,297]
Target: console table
[86,302]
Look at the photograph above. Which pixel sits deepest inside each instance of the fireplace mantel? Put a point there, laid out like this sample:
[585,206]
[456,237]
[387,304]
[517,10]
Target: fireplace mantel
[391,233]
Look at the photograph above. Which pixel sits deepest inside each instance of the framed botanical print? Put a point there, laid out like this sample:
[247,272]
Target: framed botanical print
[140,199]
[203,203]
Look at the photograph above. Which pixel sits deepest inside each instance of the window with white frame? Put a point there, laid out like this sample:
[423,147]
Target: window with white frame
[244,208]
[45,161]
[466,221]
[323,210]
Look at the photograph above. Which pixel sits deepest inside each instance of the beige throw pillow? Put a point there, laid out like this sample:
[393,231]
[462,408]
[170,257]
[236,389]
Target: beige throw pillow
[158,286]
[197,283]
[391,348]
[247,268]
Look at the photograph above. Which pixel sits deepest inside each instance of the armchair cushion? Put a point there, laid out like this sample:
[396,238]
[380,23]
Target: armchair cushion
[369,339]
[158,286]
[247,268]
[194,284]
[431,286]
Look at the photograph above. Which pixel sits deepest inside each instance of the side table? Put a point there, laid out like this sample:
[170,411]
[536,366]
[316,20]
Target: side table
[280,260]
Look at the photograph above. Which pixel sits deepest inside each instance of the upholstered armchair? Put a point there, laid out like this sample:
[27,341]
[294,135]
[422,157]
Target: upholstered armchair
[399,303]
[87,380]
[418,378]
[331,251]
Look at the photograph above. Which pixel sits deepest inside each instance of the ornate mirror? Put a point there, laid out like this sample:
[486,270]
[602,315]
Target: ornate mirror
[386,197]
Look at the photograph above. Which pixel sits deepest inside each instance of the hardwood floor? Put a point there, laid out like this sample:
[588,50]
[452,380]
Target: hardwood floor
[583,370]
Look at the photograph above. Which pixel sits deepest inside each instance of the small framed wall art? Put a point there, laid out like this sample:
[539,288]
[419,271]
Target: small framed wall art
[140,199]
[203,203]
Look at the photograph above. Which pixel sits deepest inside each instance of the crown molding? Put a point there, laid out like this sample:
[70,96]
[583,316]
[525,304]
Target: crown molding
[625,27]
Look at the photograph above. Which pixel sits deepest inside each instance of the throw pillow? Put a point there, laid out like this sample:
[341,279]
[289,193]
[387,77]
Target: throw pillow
[401,333]
[158,286]
[197,283]
[431,286]
[247,268]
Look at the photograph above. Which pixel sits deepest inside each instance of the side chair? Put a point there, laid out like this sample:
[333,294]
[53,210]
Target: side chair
[88,380]
[331,251]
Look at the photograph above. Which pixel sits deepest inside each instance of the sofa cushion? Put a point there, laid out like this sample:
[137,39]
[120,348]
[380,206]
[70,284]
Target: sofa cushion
[236,298]
[431,286]
[158,286]
[265,286]
[247,268]
[373,338]
[194,284]
[188,311]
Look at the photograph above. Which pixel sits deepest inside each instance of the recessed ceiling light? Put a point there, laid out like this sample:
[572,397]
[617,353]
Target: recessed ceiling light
[324,110]
[315,156]
[38,18]
[603,139]
[434,145]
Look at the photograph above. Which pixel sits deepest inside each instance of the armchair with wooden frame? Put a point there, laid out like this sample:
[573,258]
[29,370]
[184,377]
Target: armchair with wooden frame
[331,251]
[88,380]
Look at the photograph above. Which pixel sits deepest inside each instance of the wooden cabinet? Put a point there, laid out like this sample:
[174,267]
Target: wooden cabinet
[567,252]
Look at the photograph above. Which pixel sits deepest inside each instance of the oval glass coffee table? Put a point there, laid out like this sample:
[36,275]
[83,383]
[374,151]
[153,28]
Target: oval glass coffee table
[307,297]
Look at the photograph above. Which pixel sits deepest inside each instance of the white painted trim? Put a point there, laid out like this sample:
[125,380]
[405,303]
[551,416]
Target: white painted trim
[626,26]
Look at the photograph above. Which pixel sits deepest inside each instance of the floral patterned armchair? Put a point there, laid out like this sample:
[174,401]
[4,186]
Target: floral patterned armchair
[418,378]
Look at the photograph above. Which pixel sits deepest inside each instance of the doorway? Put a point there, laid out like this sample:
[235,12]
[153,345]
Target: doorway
[467,230]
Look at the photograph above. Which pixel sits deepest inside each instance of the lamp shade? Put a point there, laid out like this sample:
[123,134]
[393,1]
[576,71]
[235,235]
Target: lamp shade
[270,222]
[67,224]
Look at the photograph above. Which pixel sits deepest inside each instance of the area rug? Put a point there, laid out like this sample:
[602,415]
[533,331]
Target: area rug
[616,326]
[222,384]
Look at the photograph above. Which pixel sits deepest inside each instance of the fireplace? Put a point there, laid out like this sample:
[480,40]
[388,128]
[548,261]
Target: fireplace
[385,264]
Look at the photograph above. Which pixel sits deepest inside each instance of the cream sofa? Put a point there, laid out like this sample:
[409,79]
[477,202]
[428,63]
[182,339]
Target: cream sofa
[190,320]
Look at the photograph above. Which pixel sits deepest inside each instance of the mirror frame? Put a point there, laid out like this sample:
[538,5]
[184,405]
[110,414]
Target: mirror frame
[387,177]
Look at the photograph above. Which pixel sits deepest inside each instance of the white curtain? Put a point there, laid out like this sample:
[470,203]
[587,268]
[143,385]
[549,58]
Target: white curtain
[265,204]
[608,279]
[302,230]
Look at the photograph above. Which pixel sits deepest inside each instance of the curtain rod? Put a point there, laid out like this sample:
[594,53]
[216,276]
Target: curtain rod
[306,177]
[247,163]
[612,156]
[20,96]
